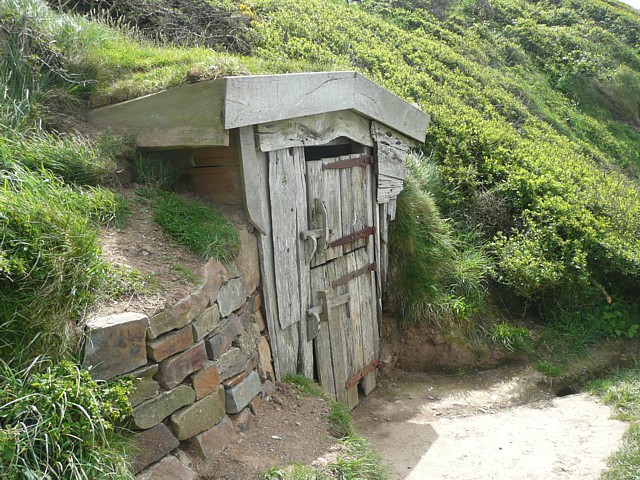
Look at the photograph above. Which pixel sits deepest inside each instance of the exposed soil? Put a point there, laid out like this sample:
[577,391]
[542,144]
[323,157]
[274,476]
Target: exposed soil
[289,428]
[505,423]
[143,246]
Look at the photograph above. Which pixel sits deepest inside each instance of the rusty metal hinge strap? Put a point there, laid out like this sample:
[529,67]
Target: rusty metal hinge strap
[372,267]
[364,233]
[360,375]
[349,163]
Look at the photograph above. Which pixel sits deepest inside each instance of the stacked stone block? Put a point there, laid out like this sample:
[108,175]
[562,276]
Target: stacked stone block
[200,366]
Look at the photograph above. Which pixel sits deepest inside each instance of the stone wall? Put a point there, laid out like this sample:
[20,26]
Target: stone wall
[201,366]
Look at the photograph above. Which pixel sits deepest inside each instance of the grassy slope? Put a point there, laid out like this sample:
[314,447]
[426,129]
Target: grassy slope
[534,107]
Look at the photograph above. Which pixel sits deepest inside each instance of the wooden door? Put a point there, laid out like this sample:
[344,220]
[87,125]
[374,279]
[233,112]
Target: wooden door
[340,256]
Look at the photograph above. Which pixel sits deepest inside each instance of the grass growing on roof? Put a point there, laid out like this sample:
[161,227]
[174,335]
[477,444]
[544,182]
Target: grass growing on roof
[197,225]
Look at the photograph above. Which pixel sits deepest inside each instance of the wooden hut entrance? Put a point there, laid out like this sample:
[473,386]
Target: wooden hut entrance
[323,234]
[317,161]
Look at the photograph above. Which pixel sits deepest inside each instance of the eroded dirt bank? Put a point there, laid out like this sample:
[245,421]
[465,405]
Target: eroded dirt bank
[504,423]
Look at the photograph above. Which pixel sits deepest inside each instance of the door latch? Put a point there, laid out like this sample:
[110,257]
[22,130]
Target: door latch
[318,236]
[320,313]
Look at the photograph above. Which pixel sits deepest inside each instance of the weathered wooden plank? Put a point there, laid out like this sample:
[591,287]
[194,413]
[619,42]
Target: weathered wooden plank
[368,315]
[391,209]
[382,105]
[322,343]
[185,116]
[220,184]
[313,130]
[284,345]
[288,211]
[255,181]
[354,205]
[337,318]
[384,244]
[354,332]
[391,161]
[305,354]
[252,100]
[392,137]
[325,185]
[378,259]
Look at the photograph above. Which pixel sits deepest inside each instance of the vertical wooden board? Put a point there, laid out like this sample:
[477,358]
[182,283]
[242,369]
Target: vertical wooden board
[255,181]
[384,244]
[353,183]
[322,343]
[376,216]
[325,185]
[369,319]
[338,340]
[284,345]
[287,204]
[354,320]
[305,353]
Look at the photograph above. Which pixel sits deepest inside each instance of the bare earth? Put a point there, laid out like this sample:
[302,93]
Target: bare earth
[496,424]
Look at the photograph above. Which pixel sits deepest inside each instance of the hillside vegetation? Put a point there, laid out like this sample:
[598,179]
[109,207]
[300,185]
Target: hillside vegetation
[524,196]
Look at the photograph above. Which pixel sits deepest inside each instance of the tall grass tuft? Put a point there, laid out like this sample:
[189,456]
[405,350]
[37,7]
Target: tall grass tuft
[198,226]
[56,422]
[434,276]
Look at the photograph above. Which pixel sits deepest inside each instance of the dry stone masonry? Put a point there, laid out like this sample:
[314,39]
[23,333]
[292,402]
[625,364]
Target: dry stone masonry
[201,367]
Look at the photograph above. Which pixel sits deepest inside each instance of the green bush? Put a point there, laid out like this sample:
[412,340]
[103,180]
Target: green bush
[56,422]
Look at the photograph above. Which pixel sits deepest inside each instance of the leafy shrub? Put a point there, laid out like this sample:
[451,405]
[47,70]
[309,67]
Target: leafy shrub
[513,338]
[197,225]
[56,422]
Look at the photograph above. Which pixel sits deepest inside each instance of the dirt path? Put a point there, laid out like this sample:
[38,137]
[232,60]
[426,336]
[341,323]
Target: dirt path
[499,424]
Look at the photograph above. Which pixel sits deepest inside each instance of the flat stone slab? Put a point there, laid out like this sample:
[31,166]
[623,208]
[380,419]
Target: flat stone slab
[206,380]
[152,445]
[152,412]
[115,344]
[238,397]
[200,416]
[170,343]
[180,315]
[231,363]
[174,370]
[206,322]
[169,468]
[215,440]
[231,296]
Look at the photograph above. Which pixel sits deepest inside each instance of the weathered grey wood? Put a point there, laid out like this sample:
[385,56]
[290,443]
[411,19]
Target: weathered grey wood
[325,185]
[190,115]
[391,209]
[312,130]
[388,188]
[288,219]
[185,116]
[378,257]
[354,330]
[384,244]
[391,137]
[354,185]
[336,320]
[382,105]
[284,345]
[391,161]
[252,100]
[255,181]
[322,343]
[368,316]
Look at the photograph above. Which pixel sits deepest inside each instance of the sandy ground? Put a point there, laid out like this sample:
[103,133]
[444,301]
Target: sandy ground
[499,424]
